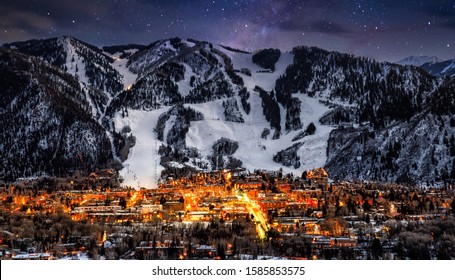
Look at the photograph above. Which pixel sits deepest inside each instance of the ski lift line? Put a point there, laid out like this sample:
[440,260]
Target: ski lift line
[156,162]
[143,64]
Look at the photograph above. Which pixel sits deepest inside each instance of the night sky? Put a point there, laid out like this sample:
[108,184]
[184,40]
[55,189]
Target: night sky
[385,30]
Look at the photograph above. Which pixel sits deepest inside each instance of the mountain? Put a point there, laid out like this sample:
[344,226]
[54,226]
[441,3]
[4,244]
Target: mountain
[178,105]
[95,70]
[418,60]
[388,127]
[440,69]
[47,126]
[431,64]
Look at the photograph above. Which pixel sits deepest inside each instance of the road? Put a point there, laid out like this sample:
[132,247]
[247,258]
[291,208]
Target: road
[261,222]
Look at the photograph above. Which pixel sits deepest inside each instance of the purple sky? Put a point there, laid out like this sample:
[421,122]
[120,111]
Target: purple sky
[385,30]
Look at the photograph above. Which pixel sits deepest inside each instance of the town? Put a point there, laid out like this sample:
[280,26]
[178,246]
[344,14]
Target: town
[225,214]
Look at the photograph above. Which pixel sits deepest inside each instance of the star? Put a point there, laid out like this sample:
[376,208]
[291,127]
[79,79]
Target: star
[345,26]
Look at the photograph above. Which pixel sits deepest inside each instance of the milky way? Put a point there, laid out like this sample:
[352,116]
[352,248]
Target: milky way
[385,30]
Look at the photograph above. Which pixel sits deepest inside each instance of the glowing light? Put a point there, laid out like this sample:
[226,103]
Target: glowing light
[104,236]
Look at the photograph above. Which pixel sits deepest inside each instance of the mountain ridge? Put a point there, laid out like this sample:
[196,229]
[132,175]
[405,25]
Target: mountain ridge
[441,68]
[165,107]
[414,60]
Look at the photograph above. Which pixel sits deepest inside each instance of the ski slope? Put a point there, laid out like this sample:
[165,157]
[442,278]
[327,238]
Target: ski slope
[142,168]
[254,151]
[264,80]
[120,64]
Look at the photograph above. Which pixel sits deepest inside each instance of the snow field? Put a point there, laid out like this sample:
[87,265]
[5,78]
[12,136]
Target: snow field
[142,167]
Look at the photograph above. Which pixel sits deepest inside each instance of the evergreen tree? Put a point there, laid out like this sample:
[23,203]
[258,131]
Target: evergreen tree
[376,249]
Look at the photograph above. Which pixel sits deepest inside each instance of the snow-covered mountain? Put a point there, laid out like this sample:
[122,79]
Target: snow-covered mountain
[418,60]
[431,64]
[46,121]
[96,71]
[177,106]
[440,69]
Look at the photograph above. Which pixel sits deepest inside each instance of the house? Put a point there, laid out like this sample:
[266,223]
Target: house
[318,177]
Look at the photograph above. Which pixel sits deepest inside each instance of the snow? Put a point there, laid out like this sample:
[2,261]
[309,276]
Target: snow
[42,144]
[168,127]
[313,152]
[76,67]
[254,151]
[153,56]
[264,80]
[418,60]
[120,65]
[203,134]
[184,85]
[188,43]
[449,67]
[78,256]
[87,97]
[142,167]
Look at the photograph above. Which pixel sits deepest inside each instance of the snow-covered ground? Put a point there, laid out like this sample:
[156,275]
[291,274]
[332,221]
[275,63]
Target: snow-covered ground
[254,151]
[449,67]
[184,85]
[74,62]
[142,166]
[263,79]
[77,256]
[418,60]
[313,153]
[120,65]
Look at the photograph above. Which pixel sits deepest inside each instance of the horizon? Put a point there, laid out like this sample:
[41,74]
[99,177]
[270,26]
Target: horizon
[224,45]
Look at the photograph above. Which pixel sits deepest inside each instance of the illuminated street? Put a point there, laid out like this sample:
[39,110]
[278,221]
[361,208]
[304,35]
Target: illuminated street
[217,215]
[258,217]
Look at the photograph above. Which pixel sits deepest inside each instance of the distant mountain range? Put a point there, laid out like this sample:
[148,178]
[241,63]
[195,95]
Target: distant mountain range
[431,64]
[418,60]
[177,106]
[441,69]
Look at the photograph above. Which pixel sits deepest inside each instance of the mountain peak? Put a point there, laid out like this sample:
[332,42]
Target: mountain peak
[191,105]
[418,60]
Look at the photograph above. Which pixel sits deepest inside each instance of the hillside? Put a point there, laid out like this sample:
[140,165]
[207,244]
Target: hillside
[47,126]
[177,106]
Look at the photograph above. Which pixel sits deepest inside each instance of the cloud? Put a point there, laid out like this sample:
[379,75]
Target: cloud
[12,18]
[329,27]
[18,25]
[292,25]
[96,21]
